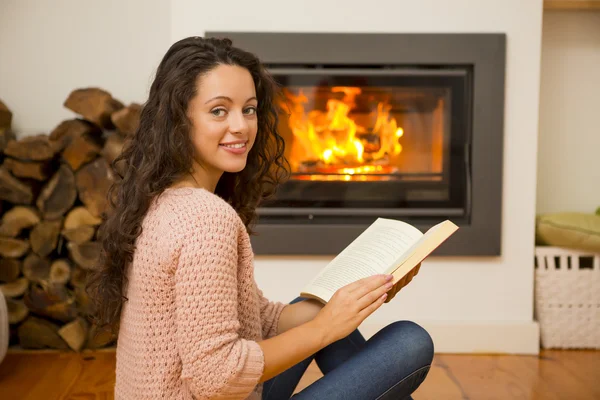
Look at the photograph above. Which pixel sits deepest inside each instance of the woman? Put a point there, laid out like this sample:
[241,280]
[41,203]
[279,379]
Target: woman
[176,274]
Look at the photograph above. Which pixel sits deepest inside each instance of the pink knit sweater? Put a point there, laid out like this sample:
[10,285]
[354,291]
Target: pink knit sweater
[194,314]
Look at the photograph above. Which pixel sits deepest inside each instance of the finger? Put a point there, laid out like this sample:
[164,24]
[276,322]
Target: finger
[370,309]
[392,292]
[373,295]
[369,284]
[365,281]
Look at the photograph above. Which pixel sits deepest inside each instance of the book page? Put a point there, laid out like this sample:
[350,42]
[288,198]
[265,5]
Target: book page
[371,253]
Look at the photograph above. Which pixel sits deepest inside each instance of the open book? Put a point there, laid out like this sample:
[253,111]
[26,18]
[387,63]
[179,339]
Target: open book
[387,246]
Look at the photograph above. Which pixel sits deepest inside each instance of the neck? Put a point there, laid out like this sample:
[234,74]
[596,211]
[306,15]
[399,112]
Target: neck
[200,177]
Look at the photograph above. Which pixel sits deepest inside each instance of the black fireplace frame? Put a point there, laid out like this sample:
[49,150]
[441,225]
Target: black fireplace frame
[481,233]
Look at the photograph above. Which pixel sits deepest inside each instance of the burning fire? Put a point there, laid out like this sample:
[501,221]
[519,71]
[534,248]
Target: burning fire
[333,143]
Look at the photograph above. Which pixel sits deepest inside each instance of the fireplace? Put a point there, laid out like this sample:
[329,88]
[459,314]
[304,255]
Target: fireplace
[373,141]
[403,126]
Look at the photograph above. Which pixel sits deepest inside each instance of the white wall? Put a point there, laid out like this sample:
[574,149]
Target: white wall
[448,291]
[482,304]
[569,148]
[49,48]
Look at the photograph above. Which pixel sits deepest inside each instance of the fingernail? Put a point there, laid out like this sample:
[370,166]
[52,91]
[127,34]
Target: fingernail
[389,277]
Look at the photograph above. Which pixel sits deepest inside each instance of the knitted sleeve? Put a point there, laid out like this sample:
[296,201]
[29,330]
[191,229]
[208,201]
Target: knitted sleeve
[270,311]
[216,362]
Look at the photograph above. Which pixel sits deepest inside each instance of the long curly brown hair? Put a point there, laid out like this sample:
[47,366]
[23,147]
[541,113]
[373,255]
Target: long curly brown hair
[161,153]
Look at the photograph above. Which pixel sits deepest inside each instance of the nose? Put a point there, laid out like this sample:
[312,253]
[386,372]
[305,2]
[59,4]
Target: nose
[238,123]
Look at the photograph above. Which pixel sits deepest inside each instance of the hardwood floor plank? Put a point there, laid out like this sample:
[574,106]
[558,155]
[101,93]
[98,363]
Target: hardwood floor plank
[445,384]
[57,380]
[57,376]
[493,377]
[555,375]
[90,383]
[584,365]
[18,375]
[567,378]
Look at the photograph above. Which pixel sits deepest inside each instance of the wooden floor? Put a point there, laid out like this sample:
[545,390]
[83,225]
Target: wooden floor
[554,375]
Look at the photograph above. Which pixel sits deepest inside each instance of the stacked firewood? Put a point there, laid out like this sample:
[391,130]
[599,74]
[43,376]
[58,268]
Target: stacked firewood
[53,191]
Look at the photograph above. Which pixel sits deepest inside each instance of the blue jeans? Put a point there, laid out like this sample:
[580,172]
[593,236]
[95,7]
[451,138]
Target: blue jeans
[389,366]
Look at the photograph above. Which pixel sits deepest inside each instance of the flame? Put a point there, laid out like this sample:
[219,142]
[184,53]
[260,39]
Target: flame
[332,142]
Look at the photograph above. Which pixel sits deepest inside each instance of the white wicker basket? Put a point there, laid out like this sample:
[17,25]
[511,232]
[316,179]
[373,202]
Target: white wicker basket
[567,298]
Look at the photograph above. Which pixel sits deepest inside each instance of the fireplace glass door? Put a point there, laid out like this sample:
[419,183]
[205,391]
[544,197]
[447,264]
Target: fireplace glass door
[366,142]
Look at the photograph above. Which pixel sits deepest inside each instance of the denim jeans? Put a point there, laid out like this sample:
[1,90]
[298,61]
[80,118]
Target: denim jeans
[389,366]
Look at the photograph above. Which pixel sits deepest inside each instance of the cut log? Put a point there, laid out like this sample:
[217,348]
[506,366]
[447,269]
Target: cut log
[13,248]
[15,289]
[51,300]
[84,305]
[44,237]
[67,130]
[32,148]
[60,272]
[17,311]
[36,268]
[80,216]
[75,333]
[93,182]
[86,255]
[79,235]
[113,147]
[59,194]
[6,135]
[10,269]
[81,150]
[93,104]
[37,333]
[13,190]
[18,218]
[127,119]
[38,170]
[5,116]
[99,337]
[78,277]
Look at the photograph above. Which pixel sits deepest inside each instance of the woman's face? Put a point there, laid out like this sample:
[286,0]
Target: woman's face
[223,115]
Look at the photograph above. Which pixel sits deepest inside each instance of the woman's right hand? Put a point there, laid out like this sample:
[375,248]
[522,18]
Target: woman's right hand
[351,305]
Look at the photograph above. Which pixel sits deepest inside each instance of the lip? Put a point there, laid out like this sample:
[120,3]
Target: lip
[235,142]
[240,150]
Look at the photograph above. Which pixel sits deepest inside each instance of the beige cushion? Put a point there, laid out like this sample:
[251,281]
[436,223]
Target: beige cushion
[579,231]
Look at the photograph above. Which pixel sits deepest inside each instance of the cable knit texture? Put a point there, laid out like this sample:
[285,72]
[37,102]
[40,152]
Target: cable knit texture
[194,314]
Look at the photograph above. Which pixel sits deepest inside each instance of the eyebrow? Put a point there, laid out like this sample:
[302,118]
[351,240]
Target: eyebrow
[227,98]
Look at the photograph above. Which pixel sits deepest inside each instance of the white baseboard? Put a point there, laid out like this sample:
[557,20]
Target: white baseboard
[476,338]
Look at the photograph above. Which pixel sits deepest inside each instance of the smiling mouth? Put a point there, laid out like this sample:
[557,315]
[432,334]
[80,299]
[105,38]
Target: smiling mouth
[234,146]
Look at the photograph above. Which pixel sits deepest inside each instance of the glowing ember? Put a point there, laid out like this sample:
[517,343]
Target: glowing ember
[331,142]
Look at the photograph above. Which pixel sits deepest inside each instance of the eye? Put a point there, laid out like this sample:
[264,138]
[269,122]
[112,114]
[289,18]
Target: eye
[250,110]
[218,112]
